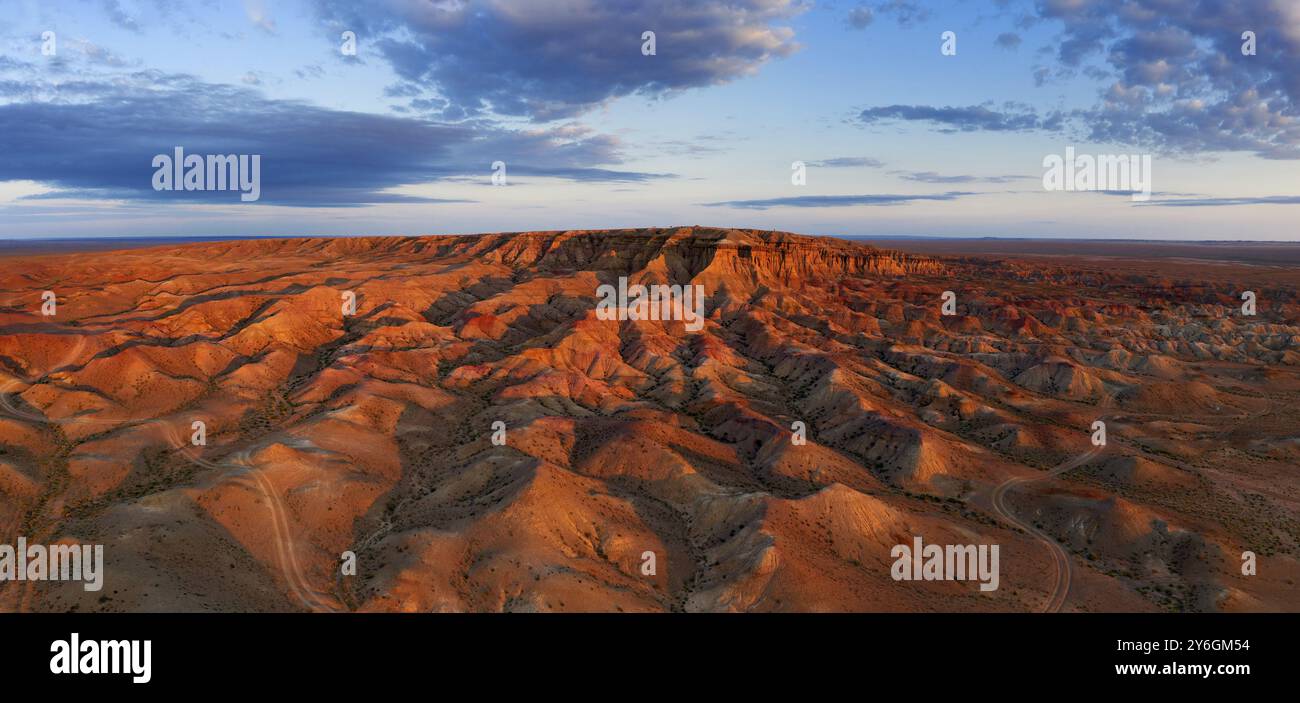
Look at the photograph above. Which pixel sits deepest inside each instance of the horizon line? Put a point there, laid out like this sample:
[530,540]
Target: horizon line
[165,238]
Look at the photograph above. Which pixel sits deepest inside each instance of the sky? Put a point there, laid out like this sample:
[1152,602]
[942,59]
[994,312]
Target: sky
[899,128]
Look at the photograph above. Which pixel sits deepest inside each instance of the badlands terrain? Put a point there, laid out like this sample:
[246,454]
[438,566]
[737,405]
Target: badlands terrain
[373,433]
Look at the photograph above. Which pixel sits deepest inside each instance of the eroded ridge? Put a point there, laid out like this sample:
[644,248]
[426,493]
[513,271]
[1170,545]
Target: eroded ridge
[375,432]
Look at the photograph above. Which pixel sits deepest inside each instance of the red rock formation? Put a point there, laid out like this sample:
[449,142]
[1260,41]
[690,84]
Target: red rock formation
[374,433]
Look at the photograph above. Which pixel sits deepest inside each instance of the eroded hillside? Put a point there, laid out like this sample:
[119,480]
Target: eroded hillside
[374,432]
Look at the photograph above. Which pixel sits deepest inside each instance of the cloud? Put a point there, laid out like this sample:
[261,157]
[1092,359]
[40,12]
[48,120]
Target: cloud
[836,200]
[1182,84]
[1221,202]
[96,54]
[932,177]
[916,176]
[1174,79]
[546,61]
[1007,40]
[848,162]
[257,15]
[691,148]
[963,119]
[118,16]
[1128,193]
[98,141]
[860,17]
[905,12]
[585,174]
[309,71]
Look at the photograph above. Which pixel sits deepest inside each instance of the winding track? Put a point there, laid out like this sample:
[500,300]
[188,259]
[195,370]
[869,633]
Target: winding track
[1061,560]
[286,555]
[1064,571]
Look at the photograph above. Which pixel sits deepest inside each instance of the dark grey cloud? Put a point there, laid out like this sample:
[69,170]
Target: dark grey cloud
[836,200]
[546,61]
[98,140]
[963,119]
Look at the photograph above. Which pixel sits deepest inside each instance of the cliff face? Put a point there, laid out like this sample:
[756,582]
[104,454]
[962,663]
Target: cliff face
[690,251]
[483,440]
[764,257]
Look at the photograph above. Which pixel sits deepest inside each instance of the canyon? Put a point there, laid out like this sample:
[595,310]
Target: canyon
[372,433]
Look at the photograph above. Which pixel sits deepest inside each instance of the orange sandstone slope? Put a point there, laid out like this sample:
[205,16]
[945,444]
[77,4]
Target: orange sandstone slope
[377,433]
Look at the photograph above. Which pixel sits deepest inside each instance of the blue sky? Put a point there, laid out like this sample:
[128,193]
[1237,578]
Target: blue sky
[897,138]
